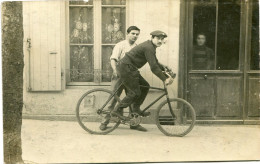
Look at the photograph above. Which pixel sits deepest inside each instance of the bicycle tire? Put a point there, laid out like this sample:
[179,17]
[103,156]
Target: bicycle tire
[91,131]
[160,122]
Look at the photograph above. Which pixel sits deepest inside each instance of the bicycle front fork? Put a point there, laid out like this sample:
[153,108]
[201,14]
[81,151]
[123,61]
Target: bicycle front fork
[169,102]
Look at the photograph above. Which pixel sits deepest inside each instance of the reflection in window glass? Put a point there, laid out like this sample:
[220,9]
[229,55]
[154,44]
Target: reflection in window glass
[106,66]
[81,25]
[255,58]
[113,24]
[81,64]
[204,28]
[228,34]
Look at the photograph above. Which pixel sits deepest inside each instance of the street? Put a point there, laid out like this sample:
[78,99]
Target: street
[66,142]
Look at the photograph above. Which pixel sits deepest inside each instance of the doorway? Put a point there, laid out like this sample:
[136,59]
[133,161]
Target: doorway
[215,58]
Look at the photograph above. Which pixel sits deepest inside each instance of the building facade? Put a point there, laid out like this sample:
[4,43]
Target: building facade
[67,45]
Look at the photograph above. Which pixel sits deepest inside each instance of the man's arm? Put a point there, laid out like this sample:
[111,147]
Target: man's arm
[115,58]
[154,64]
[113,65]
[162,66]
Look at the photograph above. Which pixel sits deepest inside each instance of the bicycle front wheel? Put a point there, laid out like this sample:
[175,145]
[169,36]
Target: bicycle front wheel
[89,115]
[180,123]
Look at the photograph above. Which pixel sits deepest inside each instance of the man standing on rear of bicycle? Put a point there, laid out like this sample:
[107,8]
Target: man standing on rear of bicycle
[127,69]
[118,53]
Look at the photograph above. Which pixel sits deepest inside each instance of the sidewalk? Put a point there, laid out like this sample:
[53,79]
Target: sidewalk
[67,142]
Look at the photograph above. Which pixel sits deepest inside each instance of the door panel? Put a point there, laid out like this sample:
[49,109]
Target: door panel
[253,67]
[202,95]
[228,96]
[42,24]
[254,97]
[216,88]
[231,31]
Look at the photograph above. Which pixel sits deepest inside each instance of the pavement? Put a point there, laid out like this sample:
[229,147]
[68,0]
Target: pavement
[66,142]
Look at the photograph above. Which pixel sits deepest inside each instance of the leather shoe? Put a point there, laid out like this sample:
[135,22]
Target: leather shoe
[103,127]
[139,128]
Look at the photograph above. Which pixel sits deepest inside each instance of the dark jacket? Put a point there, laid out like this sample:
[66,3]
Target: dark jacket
[143,53]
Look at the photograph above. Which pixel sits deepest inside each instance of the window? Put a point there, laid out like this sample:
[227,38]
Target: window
[95,27]
[81,42]
[216,29]
[255,58]
[113,31]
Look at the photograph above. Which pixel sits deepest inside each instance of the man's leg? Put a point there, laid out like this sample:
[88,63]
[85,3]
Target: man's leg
[115,84]
[139,101]
[144,91]
[130,80]
[131,84]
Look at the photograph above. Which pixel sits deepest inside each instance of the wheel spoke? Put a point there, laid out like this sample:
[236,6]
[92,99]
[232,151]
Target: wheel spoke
[89,115]
[181,123]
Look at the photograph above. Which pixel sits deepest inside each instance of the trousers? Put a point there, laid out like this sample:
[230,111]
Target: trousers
[115,84]
[132,79]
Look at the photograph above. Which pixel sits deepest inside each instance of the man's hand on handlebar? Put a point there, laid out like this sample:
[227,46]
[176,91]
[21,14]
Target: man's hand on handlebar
[168,72]
[168,68]
[169,81]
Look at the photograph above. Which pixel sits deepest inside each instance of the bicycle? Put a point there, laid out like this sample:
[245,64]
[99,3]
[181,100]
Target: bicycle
[174,116]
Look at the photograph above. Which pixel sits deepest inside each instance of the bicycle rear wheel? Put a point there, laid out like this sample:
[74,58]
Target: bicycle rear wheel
[88,115]
[181,124]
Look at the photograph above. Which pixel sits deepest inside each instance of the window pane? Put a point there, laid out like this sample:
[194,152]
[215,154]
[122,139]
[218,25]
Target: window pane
[113,2]
[255,58]
[81,64]
[228,34]
[113,24]
[106,66]
[204,27]
[90,2]
[81,25]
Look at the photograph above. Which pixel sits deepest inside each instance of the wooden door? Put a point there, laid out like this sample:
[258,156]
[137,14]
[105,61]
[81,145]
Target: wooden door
[215,58]
[43,35]
[252,68]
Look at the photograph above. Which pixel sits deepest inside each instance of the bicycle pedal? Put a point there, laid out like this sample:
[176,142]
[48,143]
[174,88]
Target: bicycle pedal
[148,115]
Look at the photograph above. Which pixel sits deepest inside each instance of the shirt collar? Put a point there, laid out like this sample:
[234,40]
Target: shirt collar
[153,44]
[127,42]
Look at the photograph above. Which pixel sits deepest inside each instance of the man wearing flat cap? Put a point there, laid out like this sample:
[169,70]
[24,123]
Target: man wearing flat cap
[131,78]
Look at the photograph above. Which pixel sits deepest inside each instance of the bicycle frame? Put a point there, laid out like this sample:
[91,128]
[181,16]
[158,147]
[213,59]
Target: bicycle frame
[152,103]
[156,100]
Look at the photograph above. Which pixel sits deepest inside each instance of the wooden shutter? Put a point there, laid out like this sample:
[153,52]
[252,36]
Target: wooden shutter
[42,28]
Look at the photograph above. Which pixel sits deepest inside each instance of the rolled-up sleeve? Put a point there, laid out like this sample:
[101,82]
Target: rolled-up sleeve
[116,53]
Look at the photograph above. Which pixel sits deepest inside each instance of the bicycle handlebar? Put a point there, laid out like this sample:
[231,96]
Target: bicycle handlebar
[168,72]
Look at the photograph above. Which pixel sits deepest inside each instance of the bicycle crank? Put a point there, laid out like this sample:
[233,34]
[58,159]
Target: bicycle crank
[135,119]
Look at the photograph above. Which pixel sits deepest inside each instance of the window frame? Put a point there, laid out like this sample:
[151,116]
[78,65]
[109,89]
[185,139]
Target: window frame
[248,68]
[97,44]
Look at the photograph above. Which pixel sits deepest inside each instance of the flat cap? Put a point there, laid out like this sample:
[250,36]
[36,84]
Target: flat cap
[158,33]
